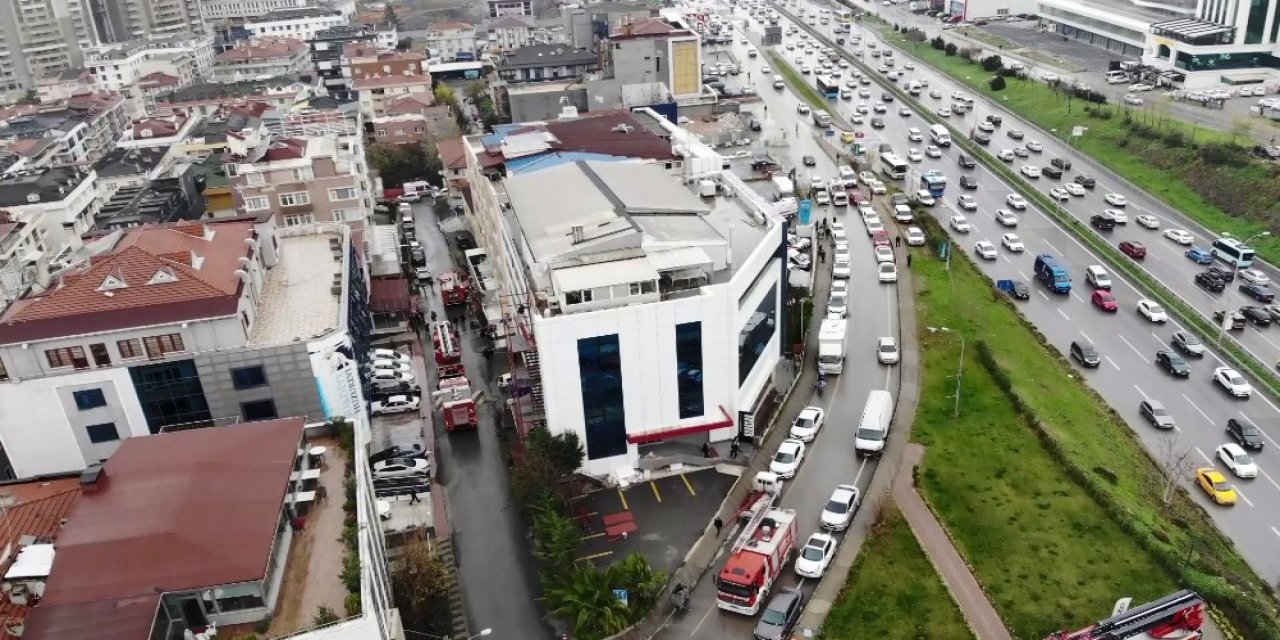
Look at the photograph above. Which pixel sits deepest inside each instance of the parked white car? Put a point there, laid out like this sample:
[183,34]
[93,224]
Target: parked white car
[1006,218]
[1233,382]
[786,462]
[1074,189]
[883,254]
[1016,201]
[1147,220]
[887,272]
[388,354]
[887,350]
[840,508]
[1233,457]
[1030,171]
[915,237]
[401,468]
[967,202]
[985,250]
[1115,200]
[1254,276]
[806,425]
[394,404]
[816,555]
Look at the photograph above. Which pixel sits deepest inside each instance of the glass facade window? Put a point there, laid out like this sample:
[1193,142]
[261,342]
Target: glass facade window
[604,416]
[89,399]
[170,393]
[689,369]
[756,333]
[258,410]
[1256,27]
[1225,61]
[248,377]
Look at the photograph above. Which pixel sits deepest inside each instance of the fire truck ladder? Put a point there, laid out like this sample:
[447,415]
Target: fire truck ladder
[1142,618]
[761,509]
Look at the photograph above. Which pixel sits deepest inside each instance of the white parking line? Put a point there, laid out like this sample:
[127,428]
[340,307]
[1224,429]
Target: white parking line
[1024,277]
[1060,311]
[1243,496]
[1135,349]
[861,468]
[1275,531]
[1113,362]
[1076,295]
[1202,455]
[1141,392]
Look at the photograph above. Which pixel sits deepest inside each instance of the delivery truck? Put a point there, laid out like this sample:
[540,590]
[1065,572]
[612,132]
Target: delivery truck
[831,345]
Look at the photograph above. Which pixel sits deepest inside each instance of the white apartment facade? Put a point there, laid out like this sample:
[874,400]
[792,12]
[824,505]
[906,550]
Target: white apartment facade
[61,201]
[648,324]
[269,57]
[446,40]
[213,10]
[302,24]
[116,67]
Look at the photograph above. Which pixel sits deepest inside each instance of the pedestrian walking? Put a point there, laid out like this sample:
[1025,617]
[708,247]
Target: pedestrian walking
[822,257]
[734,450]
[718,524]
[898,241]
[908,261]
[413,497]
[433,316]
[706,450]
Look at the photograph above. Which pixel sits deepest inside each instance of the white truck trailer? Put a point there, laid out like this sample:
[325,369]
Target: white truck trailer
[831,345]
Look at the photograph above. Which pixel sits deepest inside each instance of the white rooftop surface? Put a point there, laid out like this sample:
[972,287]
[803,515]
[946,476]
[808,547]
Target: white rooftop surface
[446,67]
[531,88]
[34,561]
[547,221]
[605,274]
[296,301]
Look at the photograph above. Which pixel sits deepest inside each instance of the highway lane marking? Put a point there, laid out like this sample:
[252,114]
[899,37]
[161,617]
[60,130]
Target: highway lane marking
[706,615]
[656,494]
[1055,249]
[1113,362]
[1243,496]
[1061,312]
[1198,409]
[1264,433]
[861,467]
[1264,337]
[1202,455]
[1268,477]
[1085,335]
[1135,349]
[1076,295]
[1046,297]
[1275,531]
[688,485]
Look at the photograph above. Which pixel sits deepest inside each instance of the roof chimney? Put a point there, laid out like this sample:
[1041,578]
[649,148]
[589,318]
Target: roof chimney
[93,478]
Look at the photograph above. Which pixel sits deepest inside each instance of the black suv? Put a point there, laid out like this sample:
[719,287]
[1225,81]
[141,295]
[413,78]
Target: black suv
[1083,351]
[982,138]
[967,162]
[1210,282]
[995,120]
[968,182]
[1050,171]
[1223,274]
[1173,363]
[1101,222]
[1257,315]
[1245,433]
[1061,163]
[1085,180]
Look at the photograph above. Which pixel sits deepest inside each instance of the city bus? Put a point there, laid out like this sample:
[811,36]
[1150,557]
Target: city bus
[1233,252]
[846,16]
[893,166]
[830,89]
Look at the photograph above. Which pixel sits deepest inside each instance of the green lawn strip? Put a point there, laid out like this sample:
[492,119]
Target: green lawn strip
[894,592]
[1042,548]
[1001,475]
[798,82]
[1113,144]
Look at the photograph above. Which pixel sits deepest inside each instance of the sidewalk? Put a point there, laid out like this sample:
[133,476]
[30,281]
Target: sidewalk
[955,574]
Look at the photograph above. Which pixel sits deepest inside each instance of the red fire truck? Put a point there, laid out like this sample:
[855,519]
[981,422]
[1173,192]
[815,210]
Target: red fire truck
[448,347]
[758,557]
[458,403]
[1177,616]
[454,289]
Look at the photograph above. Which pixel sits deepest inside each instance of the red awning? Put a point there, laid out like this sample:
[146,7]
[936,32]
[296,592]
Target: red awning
[680,430]
[389,295]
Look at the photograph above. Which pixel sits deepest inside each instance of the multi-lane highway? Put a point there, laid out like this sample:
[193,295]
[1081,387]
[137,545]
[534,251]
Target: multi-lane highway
[1127,341]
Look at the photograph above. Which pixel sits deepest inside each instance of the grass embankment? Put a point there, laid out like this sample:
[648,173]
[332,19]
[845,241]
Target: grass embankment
[894,592]
[1047,492]
[1196,170]
[797,82]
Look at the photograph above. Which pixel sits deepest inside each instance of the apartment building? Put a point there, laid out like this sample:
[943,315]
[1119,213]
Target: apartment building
[451,41]
[263,57]
[60,85]
[78,130]
[125,20]
[215,10]
[378,77]
[510,32]
[117,67]
[302,180]
[499,8]
[625,300]
[661,50]
[60,200]
[41,37]
[542,62]
[327,49]
[187,324]
[302,24]
[414,119]
[207,98]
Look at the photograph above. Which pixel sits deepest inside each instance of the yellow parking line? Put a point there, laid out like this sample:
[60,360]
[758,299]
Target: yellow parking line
[594,556]
[623,497]
[687,485]
[655,490]
[594,535]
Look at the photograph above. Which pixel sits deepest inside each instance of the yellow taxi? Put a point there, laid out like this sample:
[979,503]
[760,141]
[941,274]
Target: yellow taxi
[847,136]
[1216,485]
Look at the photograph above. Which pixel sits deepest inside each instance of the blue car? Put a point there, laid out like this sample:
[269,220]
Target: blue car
[1200,256]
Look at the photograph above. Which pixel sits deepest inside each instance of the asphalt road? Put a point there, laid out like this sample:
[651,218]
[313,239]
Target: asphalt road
[830,459]
[1126,340]
[498,578]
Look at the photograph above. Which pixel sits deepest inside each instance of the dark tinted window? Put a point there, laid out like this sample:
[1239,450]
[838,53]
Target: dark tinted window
[756,333]
[689,369]
[248,377]
[89,399]
[600,368]
[258,410]
[105,432]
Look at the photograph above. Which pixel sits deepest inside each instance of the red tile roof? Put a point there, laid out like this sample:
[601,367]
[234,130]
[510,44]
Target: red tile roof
[36,515]
[172,512]
[390,81]
[645,27]
[262,49]
[389,295]
[197,280]
[159,126]
[412,103]
[158,79]
[453,155]
[285,149]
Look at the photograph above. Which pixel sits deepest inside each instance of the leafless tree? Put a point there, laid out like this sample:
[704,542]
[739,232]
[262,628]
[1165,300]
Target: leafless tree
[1175,462]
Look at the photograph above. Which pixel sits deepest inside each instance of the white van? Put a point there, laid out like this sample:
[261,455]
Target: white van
[778,83]
[940,135]
[873,428]
[1097,277]
[1117,77]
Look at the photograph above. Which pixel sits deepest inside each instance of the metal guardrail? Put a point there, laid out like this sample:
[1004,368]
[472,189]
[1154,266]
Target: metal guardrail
[1231,350]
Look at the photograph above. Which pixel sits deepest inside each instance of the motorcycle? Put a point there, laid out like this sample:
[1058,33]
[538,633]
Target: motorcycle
[819,386]
[680,597]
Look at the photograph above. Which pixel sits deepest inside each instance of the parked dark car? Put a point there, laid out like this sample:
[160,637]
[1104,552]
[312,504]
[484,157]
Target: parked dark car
[968,182]
[1260,292]
[1050,171]
[1244,432]
[1170,361]
[886,96]
[1085,180]
[994,120]
[1061,163]
[1221,273]
[1259,316]
[396,451]
[1210,282]
[967,162]
[1156,414]
[780,615]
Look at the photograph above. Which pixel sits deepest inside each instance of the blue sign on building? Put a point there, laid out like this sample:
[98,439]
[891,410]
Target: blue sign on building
[806,208]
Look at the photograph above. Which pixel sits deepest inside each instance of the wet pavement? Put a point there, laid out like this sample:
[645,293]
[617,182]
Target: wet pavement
[499,579]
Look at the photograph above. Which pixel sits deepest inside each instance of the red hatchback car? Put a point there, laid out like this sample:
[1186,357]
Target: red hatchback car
[880,239]
[1103,299]
[1135,250]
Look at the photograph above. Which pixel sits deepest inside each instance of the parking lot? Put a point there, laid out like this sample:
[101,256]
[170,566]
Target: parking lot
[659,519]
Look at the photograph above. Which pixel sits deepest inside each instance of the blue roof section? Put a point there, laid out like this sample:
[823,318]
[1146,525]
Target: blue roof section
[500,133]
[530,164]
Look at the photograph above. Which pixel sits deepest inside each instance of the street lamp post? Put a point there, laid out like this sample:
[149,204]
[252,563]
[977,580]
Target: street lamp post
[959,369]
